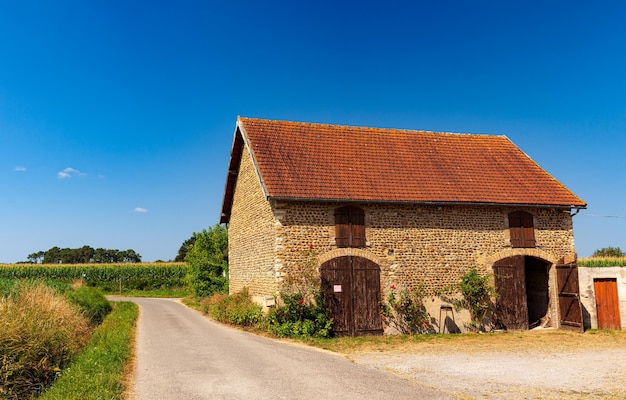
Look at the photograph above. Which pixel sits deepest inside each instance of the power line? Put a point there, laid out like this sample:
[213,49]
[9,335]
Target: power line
[603,216]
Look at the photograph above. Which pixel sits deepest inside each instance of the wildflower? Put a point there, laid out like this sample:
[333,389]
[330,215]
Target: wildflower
[310,247]
[392,287]
[301,300]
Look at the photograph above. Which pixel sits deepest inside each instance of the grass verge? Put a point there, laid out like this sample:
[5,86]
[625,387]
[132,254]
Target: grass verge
[98,372]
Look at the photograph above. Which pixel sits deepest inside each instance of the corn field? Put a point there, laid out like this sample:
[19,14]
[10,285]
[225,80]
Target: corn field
[109,277]
[596,262]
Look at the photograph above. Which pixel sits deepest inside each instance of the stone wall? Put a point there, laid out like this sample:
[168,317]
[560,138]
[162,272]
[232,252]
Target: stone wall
[423,246]
[420,245]
[252,236]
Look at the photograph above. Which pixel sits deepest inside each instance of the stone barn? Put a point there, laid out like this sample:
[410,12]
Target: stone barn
[391,208]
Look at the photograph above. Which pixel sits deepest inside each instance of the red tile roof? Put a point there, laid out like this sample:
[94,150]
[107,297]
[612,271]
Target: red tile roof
[306,161]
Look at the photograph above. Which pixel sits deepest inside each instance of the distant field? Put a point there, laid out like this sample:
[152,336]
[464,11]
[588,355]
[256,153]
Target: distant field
[111,278]
[592,262]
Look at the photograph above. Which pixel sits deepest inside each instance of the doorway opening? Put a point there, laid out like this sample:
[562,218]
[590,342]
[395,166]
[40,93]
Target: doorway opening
[522,286]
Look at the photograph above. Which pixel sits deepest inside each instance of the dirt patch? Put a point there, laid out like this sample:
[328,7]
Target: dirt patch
[523,365]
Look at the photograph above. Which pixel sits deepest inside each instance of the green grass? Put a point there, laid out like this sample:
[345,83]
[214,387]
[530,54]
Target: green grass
[99,371]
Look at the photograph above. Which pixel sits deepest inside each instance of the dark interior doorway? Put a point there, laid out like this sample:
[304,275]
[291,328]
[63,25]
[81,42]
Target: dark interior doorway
[537,294]
[522,287]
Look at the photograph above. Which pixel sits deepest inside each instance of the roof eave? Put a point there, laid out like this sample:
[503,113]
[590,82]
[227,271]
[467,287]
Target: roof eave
[430,202]
[240,140]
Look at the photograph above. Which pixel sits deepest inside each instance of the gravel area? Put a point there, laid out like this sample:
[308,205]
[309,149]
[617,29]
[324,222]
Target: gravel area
[525,374]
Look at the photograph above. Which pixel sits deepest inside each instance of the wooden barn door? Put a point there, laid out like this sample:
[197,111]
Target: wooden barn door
[607,304]
[351,288]
[510,281]
[570,310]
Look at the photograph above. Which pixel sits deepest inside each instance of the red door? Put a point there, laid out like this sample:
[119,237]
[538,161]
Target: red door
[607,304]
[351,288]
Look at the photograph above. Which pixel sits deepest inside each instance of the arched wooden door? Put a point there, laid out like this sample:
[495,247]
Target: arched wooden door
[510,281]
[351,288]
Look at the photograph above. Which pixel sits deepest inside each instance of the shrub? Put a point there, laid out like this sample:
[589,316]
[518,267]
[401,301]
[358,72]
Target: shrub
[477,294]
[608,252]
[299,317]
[207,260]
[91,302]
[406,312]
[40,332]
[237,309]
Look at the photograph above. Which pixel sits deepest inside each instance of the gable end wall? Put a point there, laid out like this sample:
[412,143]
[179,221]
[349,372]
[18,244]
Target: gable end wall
[252,235]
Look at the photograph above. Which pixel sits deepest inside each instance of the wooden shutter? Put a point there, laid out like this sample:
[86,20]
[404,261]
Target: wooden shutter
[357,225]
[570,310]
[342,227]
[522,229]
[528,229]
[350,227]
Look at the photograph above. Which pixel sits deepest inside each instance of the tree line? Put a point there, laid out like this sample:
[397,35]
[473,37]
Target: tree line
[84,255]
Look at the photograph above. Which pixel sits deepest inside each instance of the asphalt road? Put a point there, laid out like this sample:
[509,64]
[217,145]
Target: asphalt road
[183,355]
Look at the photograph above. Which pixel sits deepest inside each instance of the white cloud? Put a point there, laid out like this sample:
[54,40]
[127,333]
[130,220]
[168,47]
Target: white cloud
[19,168]
[69,172]
[140,210]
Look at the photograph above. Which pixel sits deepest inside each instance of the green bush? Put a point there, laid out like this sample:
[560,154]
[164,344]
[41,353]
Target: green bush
[406,312]
[207,260]
[609,252]
[91,302]
[477,294]
[40,332]
[298,317]
[237,309]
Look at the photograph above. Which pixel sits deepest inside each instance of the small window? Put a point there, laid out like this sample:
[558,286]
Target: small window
[349,227]
[522,229]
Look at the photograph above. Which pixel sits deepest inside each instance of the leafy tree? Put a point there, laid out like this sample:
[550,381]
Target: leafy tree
[184,248]
[208,261]
[37,257]
[609,252]
[84,255]
[52,256]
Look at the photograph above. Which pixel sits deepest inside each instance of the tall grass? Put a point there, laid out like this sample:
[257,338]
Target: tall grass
[98,372]
[598,262]
[40,331]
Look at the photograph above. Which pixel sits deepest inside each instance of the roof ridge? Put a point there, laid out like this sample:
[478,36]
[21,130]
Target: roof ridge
[364,127]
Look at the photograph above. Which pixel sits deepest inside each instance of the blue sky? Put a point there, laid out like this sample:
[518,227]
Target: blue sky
[116,117]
